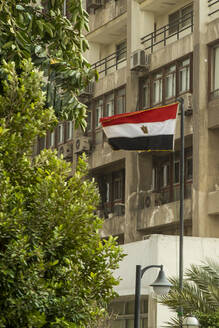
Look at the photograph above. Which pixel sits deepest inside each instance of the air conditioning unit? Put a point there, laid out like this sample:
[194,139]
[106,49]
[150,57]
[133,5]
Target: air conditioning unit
[94,4]
[81,144]
[88,91]
[65,150]
[188,105]
[140,61]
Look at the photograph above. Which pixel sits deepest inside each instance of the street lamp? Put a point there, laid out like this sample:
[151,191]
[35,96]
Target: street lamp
[190,322]
[161,286]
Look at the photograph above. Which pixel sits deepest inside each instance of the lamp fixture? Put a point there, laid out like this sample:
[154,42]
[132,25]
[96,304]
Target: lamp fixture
[190,322]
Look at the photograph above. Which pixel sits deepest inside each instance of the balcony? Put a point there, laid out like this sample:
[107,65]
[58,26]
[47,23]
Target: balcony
[112,62]
[160,215]
[213,7]
[112,10]
[168,33]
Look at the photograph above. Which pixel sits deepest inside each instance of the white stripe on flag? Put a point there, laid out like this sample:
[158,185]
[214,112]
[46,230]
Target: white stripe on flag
[134,130]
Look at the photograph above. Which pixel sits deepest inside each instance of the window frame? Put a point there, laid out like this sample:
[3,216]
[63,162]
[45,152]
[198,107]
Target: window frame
[123,97]
[60,133]
[179,23]
[170,191]
[52,139]
[69,136]
[98,108]
[108,194]
[213,93]
[121,51]
[109,99]
[164,71]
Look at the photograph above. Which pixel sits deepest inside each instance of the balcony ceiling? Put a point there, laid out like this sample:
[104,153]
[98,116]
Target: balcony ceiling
[113,31]
[160,6]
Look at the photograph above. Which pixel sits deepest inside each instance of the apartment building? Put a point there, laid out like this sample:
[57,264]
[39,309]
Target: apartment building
[148,53]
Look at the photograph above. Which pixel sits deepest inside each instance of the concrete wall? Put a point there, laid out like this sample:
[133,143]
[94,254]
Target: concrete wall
[160,249]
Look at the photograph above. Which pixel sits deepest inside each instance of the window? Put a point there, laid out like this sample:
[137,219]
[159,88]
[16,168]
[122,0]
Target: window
[157,88]
[180,18]
[189,170]
[170,82]
[120,104]
[215,70]
[184,76]
[60,133]
[89,120]
[176,172]
[109,105]
[186,15]
[118,186]
[98,112]
[122,313]
[42,143]
[146,94]
[52,139]
[166,176]
[69,130]
[174,22]
[121,51]
[112,192]
[162,87]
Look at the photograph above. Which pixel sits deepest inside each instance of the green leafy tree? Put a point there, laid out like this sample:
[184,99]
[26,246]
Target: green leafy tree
[54,269]
[200,295]
[38,30]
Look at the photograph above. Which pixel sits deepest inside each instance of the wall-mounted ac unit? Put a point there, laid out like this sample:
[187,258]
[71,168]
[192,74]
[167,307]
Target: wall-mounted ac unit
[94,4]
[88,91]
[81,144]
[140,61]
[188,105]
[65,150]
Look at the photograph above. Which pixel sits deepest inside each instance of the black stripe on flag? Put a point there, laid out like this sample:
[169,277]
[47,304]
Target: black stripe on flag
[159,142]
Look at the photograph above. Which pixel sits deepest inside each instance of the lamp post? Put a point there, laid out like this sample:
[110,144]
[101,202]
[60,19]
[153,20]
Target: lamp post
[190,322]
[161,286]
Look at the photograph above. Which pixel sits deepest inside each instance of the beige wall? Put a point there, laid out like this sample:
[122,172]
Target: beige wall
[201,211]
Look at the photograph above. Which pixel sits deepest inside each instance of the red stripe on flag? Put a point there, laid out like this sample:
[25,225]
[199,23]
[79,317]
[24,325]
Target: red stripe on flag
[158,114]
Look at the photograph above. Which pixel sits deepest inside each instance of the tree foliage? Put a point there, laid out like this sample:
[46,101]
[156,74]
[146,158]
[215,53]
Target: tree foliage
[38,29]
[54,269]
[200,295]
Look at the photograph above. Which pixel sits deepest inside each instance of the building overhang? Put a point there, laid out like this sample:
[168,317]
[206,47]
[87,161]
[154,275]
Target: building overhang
[113,31]
[159,6]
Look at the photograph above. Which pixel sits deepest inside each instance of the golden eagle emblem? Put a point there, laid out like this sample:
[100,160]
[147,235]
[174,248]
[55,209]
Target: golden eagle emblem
[144,129]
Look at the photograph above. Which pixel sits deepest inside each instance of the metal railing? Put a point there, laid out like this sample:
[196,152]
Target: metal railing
[103,66]
[168,31]
[214,94]
[212,7]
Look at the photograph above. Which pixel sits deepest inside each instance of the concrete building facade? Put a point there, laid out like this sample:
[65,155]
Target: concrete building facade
[148,53]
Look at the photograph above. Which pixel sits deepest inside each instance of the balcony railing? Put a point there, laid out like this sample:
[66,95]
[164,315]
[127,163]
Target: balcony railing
[111,62]
[168,31]
[213,7]
[214,94]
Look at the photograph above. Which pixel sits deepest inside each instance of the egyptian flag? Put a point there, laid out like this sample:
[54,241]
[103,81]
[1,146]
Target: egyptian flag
[148,130]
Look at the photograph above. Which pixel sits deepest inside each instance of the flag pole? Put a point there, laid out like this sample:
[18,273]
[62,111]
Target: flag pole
[181,218]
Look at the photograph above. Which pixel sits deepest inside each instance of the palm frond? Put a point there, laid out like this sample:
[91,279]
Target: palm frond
[200,292]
